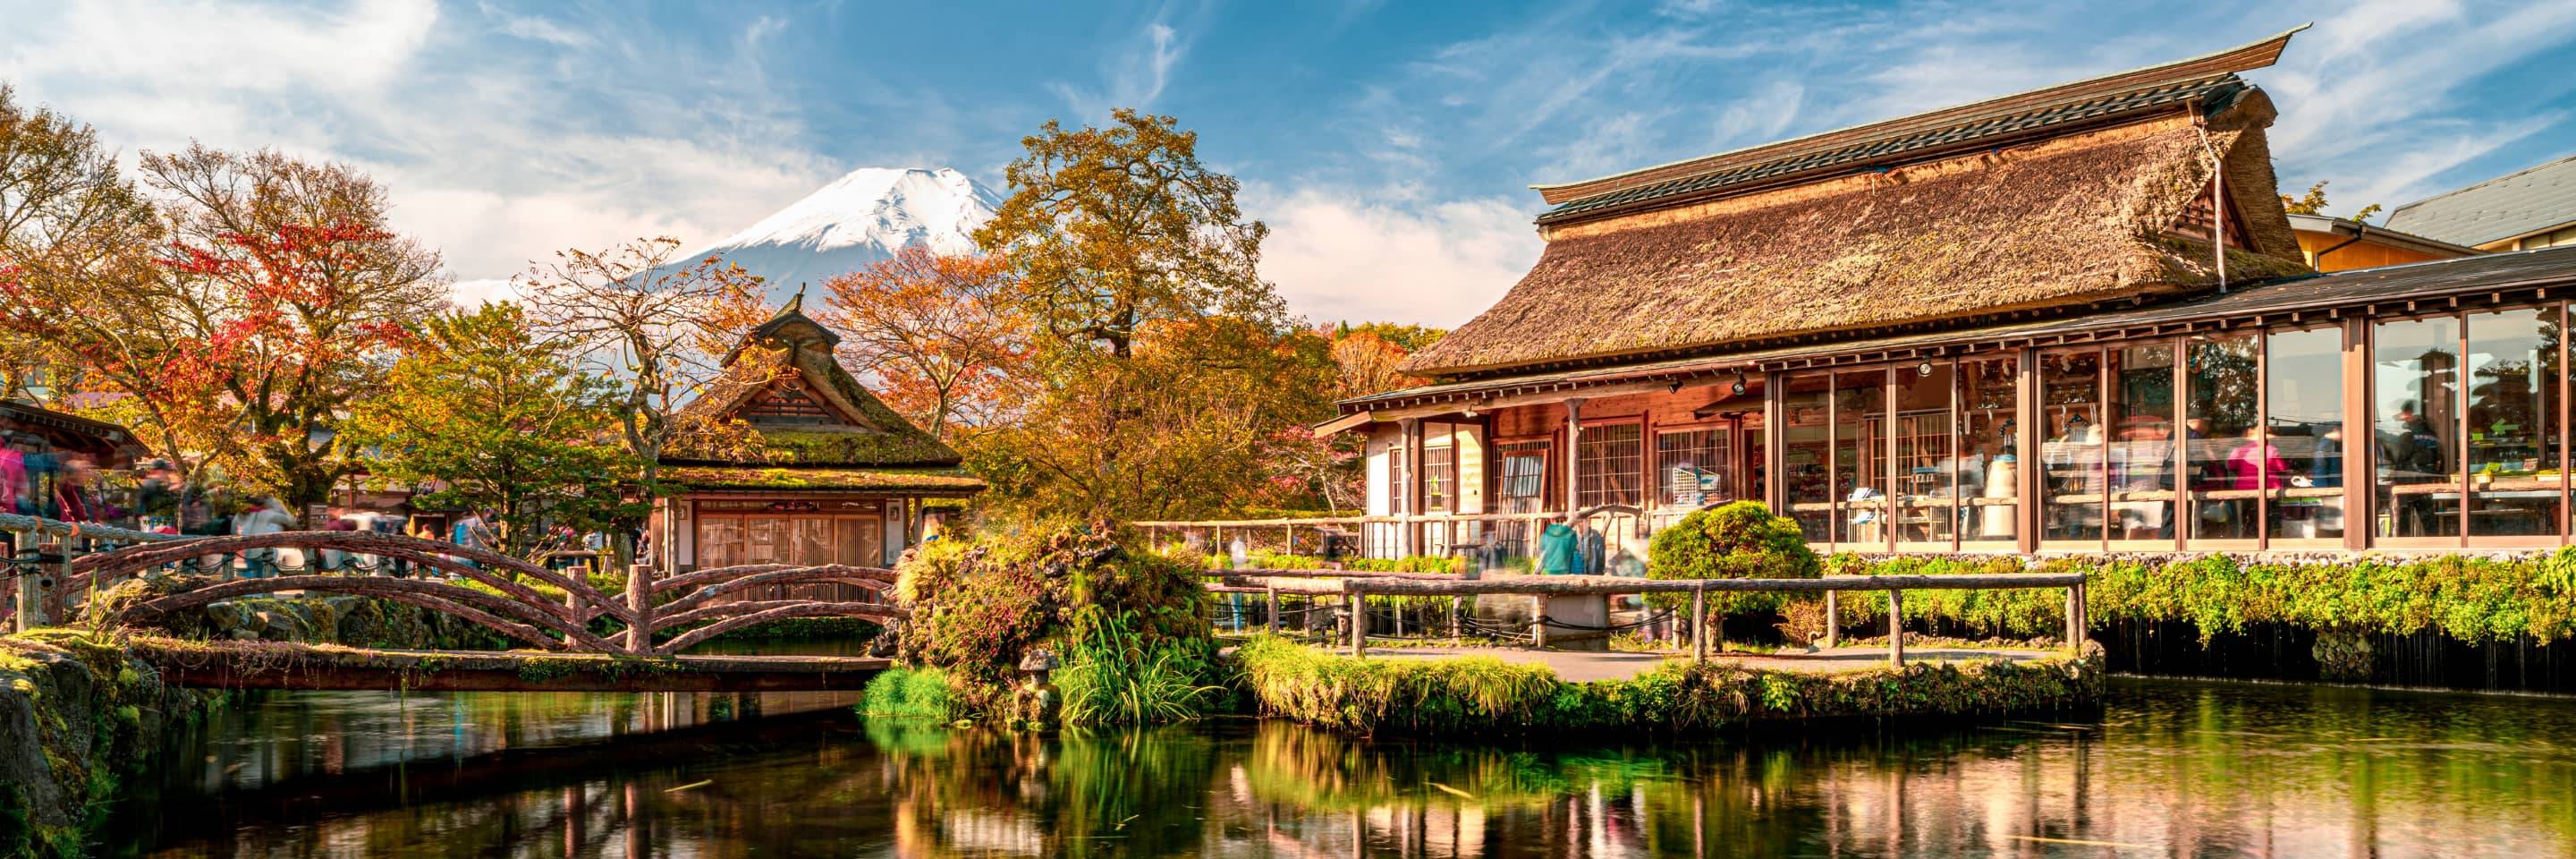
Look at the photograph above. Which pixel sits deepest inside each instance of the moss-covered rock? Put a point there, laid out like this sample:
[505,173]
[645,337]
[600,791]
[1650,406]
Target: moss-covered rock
[77,716]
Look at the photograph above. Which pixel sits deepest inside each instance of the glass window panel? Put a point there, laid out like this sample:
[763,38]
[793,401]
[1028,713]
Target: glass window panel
[1613,465]
[814,541]
[1860,458]
[2140,454]
[1927,468]
[719,542]
[765,541]
[2513,444]
[1439,475]
[1524,476]
[2228,461]
[1805,438]
[1399,475]
[1986,472]
[1690,468]
[2071,449]
[2415,416]
[2304,398]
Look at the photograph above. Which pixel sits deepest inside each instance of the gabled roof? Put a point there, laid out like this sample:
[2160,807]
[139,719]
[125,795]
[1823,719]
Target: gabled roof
[2505,207]
[791,356]
[2103,216]
[2050,111]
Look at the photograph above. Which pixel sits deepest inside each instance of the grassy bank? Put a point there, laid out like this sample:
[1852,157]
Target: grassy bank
[1484,695]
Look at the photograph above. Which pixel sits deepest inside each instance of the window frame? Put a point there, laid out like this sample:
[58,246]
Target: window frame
[1583,493]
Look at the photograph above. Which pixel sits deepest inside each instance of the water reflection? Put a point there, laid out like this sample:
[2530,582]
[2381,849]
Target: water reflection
[2172,768]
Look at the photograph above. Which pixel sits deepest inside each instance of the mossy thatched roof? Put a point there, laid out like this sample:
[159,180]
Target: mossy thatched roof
[793,352]
[2093,217]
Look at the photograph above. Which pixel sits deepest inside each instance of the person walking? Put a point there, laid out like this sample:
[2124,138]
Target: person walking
[269,516]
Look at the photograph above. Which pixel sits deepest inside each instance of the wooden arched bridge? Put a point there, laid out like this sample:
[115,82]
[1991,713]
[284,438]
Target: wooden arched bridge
[585,638]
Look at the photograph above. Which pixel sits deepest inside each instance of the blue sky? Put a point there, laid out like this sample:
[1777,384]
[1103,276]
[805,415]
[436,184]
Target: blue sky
[1388,144]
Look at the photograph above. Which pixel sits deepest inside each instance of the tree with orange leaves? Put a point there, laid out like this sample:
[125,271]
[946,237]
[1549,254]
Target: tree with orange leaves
[935,333]
[265,296]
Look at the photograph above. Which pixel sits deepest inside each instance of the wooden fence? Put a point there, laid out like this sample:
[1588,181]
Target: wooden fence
[1356,588]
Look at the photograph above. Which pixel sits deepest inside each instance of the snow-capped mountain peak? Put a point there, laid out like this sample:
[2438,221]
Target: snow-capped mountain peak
[859,219]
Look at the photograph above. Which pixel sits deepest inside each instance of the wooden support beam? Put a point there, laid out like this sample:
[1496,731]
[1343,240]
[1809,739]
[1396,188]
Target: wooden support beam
[1270,595]
[1833,620]
[1359,622]
[1538,621]
[2076,622]
[1896,628]
[1699,625]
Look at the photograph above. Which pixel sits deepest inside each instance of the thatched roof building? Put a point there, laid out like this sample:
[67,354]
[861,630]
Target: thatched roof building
[817,426]
[2063,198]
[833,476]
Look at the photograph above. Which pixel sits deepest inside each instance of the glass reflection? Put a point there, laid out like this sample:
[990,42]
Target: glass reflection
[2304,398]
[1927,467]
[2230,459]
[2140,456]
[1860,458]
[1988,469]
[2513,446]
[2072,447]
[2415,418]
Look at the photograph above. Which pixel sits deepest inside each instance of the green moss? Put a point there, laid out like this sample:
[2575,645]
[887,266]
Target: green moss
[2475,599]
[1477,695]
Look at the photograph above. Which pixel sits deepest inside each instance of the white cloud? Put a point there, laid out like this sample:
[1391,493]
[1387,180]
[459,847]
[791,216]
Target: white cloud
[537,29]
[491,156]
[1337,257]
[1135,77]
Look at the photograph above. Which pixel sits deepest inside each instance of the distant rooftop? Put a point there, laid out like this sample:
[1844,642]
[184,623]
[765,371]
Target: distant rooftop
[2505,207]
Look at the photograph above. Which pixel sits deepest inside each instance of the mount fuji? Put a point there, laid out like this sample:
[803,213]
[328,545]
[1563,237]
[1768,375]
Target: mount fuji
[859,219]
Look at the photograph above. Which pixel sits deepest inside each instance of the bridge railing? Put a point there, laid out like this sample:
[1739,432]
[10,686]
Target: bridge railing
[1354,588]
[493,590]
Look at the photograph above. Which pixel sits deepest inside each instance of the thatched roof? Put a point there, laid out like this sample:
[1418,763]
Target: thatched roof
[2104,215]
[784,381]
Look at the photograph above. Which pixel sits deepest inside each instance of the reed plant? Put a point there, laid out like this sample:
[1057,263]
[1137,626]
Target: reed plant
[1114,676]
[910,693]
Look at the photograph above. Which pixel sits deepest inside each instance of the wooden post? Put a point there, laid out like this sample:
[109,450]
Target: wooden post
[639,598]
[1699,624]
[1895,628]
[1270,595]
[1457,623]
[1833,620]
[1359,620]
[1538,620]
[2075,619]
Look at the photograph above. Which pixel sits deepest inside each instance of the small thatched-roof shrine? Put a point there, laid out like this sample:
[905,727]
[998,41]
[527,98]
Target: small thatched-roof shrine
[802,464]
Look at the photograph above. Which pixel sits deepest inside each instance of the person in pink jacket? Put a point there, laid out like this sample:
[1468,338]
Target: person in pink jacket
[2256,464]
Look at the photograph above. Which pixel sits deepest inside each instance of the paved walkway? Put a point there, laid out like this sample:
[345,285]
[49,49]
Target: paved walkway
[1580,666]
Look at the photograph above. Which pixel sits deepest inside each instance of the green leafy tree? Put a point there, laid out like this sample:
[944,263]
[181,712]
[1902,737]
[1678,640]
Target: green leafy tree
[501,420]
[1161,370]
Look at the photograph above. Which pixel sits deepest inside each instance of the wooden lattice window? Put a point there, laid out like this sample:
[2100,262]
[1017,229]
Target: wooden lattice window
[1612,459]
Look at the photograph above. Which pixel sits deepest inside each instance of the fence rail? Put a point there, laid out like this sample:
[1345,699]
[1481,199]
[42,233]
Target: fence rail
[1356,587]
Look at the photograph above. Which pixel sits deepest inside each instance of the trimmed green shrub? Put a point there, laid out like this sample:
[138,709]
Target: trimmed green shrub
[1741,540]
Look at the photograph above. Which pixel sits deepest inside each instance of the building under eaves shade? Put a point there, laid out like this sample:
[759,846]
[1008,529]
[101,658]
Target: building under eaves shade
[2074,318]
[834,476]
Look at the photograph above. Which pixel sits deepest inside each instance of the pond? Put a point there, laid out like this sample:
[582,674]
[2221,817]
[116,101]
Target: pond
[2170,768]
